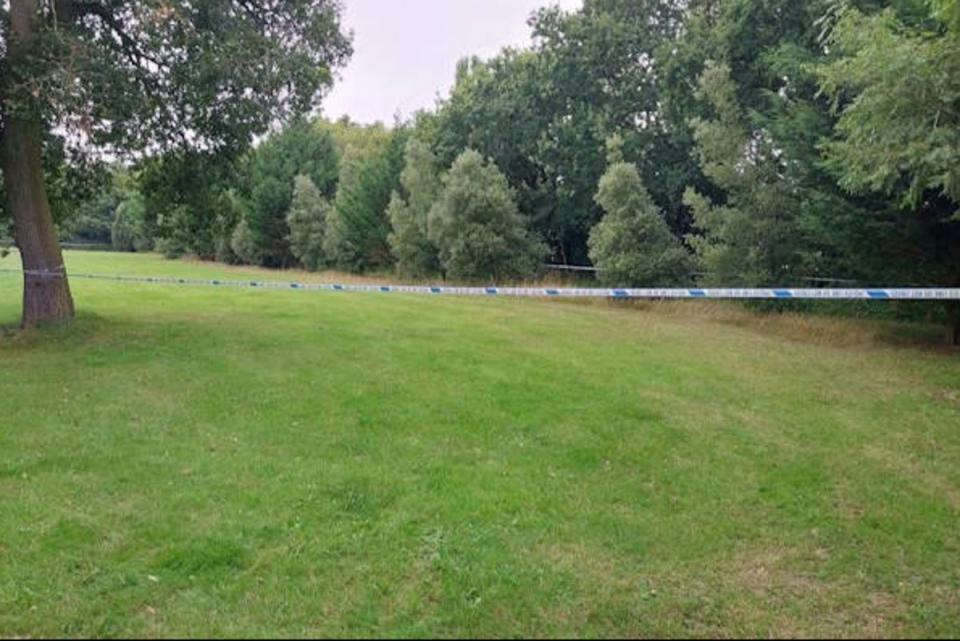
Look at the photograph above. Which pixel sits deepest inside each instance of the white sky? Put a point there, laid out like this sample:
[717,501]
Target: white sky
[406,51]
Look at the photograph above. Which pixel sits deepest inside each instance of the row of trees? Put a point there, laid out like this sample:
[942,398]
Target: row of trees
[366,198]
[323,195]
[757,143]
[738,142]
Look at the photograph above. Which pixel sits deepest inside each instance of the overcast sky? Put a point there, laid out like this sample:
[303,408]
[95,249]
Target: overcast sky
[406,51]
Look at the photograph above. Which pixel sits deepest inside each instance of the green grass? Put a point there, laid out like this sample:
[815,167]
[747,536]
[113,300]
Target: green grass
[191,461]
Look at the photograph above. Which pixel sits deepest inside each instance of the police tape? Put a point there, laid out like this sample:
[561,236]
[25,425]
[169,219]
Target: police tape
[875,294]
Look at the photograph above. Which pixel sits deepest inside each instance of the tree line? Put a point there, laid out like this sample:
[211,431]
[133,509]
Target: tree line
[728,142]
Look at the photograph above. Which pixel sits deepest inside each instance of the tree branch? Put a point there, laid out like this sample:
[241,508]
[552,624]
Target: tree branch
[132,49]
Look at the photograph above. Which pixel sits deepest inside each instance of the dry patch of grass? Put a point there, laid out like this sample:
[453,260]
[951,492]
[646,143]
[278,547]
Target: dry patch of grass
[802,327]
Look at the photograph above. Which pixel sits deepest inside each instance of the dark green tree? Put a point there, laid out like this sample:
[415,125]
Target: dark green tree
[358,231]
[268,179]
[895,84]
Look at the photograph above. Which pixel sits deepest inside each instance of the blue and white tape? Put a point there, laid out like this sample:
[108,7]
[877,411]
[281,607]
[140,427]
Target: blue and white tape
[875,294]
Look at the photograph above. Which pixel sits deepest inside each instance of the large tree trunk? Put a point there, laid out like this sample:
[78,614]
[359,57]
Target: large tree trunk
[46,292]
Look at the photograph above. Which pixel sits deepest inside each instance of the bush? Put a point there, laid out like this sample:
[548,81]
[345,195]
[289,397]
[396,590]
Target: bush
[244,245]
[632,246]
[477,228]
[307,221]
[171,247]
[128,232]
[230,211]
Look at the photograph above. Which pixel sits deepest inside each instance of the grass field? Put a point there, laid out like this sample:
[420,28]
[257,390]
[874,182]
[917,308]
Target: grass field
[190,461]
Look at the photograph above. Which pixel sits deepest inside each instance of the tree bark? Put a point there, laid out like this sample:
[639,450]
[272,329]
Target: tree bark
[46,291]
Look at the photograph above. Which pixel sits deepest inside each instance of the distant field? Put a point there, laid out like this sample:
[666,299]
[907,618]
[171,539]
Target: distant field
[192,461]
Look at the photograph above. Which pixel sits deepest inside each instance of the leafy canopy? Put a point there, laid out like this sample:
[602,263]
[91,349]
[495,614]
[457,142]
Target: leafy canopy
[897,90]
[156,74]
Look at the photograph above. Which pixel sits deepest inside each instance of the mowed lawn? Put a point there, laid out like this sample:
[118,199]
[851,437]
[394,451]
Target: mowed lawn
[198,461]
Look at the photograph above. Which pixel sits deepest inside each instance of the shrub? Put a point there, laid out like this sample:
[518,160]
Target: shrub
[244,246]
[171,247]
[632,246]
[477,228]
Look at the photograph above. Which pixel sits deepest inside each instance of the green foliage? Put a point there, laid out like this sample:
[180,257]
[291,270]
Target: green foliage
[154,74]
[948,12]
[183,194]
[127,231]
[171,246]
[632,246]
[415,254]
[92,220]
[477,228]
[96,211]
[267,185]
[307,221]
[231,209]
[363,140]
[897,90]
[244,244]
[358,230]
[754,239]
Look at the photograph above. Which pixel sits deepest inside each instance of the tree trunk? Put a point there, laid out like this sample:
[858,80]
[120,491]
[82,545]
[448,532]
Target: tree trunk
[46,292]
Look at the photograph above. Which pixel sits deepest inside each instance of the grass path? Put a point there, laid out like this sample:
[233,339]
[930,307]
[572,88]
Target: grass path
[186,461]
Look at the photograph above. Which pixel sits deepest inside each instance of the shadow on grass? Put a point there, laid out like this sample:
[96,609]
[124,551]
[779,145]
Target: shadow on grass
[90,332]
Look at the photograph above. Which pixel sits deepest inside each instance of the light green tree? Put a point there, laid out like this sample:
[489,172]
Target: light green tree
[477,228]
[415,254]
[244,245]
[632,245]
[896,89]
[307,221]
